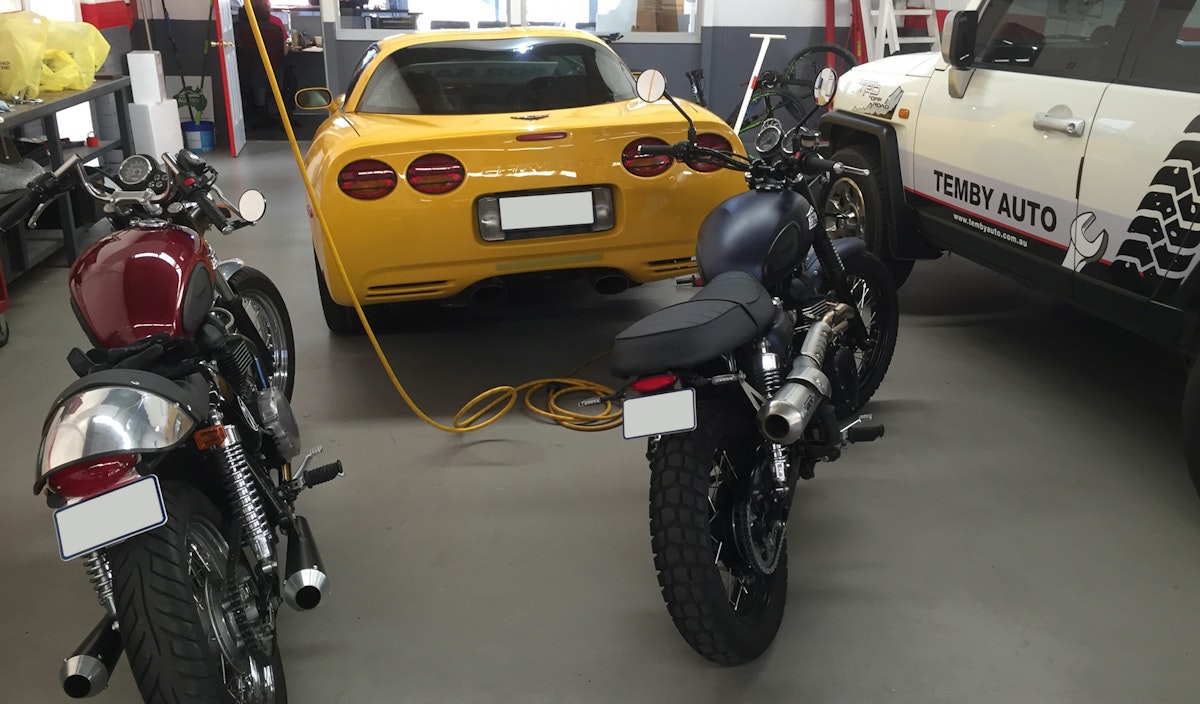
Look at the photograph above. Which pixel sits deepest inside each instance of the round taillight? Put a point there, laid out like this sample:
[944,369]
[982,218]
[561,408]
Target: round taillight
[645,165]
[367,179]
[710,141]
[435,173]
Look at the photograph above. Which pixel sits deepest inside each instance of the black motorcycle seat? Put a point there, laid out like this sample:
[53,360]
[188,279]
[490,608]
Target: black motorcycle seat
[728,311]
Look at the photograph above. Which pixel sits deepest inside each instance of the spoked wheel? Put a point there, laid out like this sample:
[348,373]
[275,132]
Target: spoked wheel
[3,329]
[801,75]
[764,105]
[269,314]
[718,540]
[874,295]
[194,631]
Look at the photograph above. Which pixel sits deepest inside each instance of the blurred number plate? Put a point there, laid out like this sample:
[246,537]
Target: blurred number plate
[661,414]
[108,518]
[549,210]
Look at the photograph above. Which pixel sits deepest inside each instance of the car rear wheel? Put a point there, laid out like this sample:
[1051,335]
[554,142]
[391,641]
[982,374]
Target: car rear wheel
[338,318]
[1191,424]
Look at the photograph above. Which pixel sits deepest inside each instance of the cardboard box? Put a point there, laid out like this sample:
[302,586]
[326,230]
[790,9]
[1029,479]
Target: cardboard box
[658,15]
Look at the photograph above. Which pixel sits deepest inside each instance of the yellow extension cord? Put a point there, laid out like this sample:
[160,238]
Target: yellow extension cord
[501,397]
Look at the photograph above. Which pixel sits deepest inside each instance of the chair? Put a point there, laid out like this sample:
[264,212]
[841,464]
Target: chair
[449,24]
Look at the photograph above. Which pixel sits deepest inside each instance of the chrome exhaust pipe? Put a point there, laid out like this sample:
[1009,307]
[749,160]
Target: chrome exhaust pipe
[86,672]
[306,581]
[610,283]
[784,417]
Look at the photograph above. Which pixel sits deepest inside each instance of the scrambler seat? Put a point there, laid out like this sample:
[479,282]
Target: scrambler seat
[729,310]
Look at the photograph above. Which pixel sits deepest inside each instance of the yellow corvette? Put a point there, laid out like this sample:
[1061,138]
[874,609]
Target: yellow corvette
[458,159]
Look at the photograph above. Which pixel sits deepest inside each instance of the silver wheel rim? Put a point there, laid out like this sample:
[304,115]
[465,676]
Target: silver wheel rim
[269,323]
[844,209]
[248,677]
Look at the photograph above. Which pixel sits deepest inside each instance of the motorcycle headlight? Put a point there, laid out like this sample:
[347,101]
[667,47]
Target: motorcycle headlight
[110,420]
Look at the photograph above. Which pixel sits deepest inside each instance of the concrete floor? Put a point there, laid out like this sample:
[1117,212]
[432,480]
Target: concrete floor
[1024,533]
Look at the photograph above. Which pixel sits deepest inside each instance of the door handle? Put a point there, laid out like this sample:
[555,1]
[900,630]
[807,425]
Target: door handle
[1072,126]
[220,43]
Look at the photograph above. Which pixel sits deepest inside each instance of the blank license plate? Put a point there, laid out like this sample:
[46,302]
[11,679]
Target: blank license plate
[109,518]
[548,210]
[661,414]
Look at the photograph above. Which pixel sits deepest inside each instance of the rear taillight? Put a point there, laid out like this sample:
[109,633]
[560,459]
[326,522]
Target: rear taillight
[435,173]
[367,179]
[88,478]
[650,384]
[645,165]
[709,141]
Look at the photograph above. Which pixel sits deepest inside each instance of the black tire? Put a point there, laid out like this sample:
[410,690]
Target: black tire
[767,104]
[3,329]
[853,207]
[1191,425]
[338,318]
[801,74]
[874,294]
[269,314]
[159,586]
[695,562]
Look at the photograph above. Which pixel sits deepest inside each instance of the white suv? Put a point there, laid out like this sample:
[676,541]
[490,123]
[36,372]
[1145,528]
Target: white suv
[1055,141]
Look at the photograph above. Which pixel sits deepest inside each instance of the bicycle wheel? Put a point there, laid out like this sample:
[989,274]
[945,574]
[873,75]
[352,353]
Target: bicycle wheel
[765,104]
[801,75]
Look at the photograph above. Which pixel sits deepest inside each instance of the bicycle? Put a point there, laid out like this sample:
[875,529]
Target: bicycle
[790,93]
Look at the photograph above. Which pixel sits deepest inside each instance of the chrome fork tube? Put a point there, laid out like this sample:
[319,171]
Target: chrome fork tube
[245,500]
[100,575]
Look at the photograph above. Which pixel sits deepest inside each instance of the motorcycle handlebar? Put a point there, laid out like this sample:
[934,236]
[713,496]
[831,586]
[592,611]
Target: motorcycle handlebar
[813,162]
[17,211]
[210,209]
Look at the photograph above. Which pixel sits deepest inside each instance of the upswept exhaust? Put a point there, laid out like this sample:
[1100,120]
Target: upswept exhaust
[786,414]
[86,672]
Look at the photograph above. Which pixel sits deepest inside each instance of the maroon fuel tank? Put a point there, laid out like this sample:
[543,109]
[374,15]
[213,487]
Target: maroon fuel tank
[140,282]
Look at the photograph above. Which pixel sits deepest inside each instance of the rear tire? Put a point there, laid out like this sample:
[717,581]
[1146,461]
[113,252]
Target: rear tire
[1191,424]
[854,208]
[3,329]
[338,318]
[164,582]
[269,314]
[874,294]
[695,558]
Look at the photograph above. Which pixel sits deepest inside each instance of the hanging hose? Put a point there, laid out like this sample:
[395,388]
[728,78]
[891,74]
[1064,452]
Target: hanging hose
[496,401]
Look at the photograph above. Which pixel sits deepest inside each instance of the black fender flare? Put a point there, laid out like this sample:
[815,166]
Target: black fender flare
[846,248]
[900,225]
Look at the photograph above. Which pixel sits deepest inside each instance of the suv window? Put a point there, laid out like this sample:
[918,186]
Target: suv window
[1082,39]
[496,76]
[1171,53]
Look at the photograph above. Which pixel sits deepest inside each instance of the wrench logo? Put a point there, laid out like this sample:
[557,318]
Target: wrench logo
[1085,248]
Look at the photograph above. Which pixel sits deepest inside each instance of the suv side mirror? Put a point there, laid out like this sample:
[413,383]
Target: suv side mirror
[958,38]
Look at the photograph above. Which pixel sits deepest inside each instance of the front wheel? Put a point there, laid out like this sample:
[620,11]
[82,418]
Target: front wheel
[718,542]
[269,315]
[873,293]
[194,633]
[854,208]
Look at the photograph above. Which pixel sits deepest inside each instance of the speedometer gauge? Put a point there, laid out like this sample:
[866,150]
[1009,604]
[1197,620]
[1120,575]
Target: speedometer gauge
[135,170]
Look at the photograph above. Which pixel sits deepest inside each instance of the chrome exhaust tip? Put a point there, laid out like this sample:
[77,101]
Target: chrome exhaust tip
[306,582]
[784,417]
[86,672]
[610,284]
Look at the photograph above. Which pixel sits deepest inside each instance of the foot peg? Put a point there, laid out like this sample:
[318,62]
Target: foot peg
[322,474]
[86,672]
[864,433]
[306,581]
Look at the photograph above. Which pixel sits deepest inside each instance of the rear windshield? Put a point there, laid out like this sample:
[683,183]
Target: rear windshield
[496,76]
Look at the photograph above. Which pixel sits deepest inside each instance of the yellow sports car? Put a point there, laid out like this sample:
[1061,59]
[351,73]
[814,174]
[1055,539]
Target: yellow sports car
[458,159]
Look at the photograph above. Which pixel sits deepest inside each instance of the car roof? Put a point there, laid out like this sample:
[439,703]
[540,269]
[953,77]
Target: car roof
[450,35]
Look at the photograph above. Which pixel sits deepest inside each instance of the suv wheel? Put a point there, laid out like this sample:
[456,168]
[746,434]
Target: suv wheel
[1191,424]
[854,208]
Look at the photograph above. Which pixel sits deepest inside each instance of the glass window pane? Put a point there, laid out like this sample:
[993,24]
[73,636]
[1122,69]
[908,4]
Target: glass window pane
[1081,39]
[451,14]
[1171,51]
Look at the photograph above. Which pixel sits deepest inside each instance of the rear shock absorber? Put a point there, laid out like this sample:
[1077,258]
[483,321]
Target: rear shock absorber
[247,505]
[100,575]
[767,377]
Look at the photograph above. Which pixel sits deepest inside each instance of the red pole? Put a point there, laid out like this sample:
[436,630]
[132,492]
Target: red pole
[830,22]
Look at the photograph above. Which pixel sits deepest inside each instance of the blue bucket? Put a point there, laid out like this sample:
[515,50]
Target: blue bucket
[198,138]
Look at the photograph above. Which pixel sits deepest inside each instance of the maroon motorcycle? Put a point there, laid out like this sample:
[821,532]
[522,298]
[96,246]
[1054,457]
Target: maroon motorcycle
[169,463]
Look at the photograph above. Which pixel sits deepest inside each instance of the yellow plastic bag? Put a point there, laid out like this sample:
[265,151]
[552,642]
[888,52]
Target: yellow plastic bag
[22,43]
[60,72]
[86,45]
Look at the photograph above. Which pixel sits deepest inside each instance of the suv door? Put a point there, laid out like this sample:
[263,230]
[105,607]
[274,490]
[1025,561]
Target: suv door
[1140,189]
[996,171]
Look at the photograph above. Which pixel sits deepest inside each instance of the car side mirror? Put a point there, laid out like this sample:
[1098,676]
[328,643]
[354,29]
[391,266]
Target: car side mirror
[958,38]
[314,99]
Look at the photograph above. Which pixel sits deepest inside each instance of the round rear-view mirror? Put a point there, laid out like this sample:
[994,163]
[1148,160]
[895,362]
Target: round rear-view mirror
[651,85]
[252,205]
[825,86]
